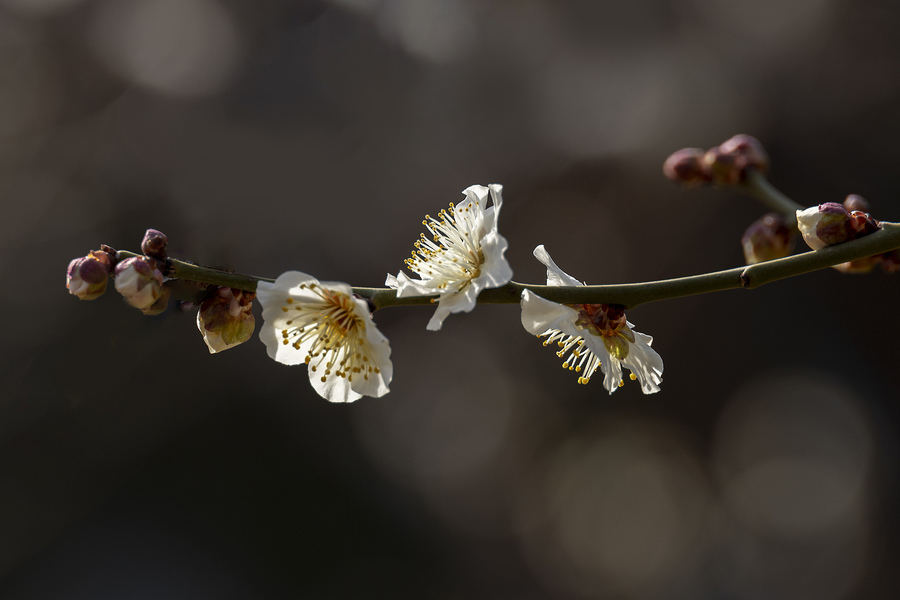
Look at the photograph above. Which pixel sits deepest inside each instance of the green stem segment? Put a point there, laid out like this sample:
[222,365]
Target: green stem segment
[629,295]
[759,187]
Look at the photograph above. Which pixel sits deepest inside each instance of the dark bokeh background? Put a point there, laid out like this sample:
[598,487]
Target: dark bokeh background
[295,134]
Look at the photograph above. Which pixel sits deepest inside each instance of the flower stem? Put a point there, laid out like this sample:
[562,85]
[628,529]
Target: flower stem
[628,295]
[758,186]
[179,269]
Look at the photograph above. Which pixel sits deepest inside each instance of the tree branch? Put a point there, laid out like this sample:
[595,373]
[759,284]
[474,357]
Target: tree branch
[629,295]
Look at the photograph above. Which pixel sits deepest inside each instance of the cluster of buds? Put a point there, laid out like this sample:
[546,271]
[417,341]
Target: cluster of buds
[727,163]
[225,318]
[832,223]
[139,279]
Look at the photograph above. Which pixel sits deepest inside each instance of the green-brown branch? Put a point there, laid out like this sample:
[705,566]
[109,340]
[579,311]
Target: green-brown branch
[629,295]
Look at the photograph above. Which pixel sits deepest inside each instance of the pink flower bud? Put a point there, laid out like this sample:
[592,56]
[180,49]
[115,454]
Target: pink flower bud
[87,276]
[859,266]
[748,153]
[225,319]
[161,304]
[890,261]
[721,166]
[686,166]
[856,202]
[139,280]
[825,225]
[832,223]
[730,161]
[154,244]
[767,239]
[862,223]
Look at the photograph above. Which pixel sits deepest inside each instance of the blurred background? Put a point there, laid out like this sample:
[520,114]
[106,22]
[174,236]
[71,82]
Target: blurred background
[314,135]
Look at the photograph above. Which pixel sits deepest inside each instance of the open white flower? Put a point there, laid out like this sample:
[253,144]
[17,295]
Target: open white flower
[592,335]
[324,326]
[463,256]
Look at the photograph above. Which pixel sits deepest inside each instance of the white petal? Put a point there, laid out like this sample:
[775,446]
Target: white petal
[645,363]
[475,193]
[377,383]
[612,372]
[334,388]
[539,315]
[808,223]
[271,297]
[555,275]
[492,214]
[456,302]
[409,287]
[213,340]
[495,271]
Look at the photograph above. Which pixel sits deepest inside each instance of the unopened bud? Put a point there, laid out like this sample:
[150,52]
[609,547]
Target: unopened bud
[730,161]
[161,304]
[863,223]
[890,261]
[686,166]
[154,244]
[225,319]
[856,202]
[860,265]
[87,276]
[748,153]
[721,166]
[139,280]
[767,238]
[825,225]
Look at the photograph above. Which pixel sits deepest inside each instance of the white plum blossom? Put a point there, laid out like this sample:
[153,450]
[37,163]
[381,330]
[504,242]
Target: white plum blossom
[592,335]
[324,326]
[463,256]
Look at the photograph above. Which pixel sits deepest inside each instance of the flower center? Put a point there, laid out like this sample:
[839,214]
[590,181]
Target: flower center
[608,322]
[332,333]
[453,255]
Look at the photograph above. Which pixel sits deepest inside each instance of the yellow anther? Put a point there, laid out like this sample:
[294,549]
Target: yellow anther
[621,383]
[632,376]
